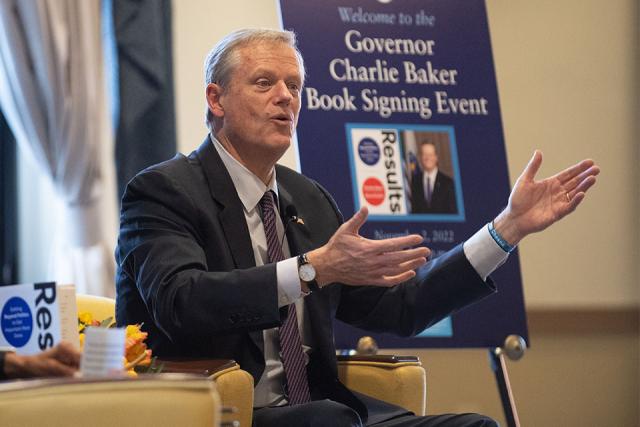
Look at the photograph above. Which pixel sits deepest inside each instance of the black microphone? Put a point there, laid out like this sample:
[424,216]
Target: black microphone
[291,215]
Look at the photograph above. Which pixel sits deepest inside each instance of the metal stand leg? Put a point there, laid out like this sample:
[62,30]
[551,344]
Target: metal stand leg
[499,367]
[514,347]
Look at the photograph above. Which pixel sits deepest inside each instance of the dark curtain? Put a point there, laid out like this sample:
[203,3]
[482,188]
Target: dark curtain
[144,113]
[8,206]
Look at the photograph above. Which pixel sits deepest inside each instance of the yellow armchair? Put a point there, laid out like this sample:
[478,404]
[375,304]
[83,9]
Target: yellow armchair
[234,385]
[100,307]
[397,380]
[400,380]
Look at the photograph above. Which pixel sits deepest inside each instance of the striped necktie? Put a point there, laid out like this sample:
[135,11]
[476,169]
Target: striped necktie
[293,360]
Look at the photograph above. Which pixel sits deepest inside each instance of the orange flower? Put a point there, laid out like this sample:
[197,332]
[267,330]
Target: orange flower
[135,349]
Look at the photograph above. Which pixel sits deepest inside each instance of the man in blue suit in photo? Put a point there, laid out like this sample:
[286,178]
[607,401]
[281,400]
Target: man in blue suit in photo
[432,191]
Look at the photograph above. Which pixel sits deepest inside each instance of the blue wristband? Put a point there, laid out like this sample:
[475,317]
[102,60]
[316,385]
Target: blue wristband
[499,239]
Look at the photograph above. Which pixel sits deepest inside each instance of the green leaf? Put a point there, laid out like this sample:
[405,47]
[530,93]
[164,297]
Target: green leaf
[107,323]
[153,367]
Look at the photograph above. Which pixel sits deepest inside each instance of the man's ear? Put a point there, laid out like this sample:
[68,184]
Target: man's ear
[214,95]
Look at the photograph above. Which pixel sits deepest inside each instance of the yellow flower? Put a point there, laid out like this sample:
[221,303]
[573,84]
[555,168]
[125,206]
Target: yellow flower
[85,318]
[133,332]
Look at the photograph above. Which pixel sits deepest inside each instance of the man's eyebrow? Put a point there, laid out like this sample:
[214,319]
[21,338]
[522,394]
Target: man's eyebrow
[262,70]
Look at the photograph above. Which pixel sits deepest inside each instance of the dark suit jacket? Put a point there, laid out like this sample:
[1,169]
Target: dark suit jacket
[186,270]
[443,198]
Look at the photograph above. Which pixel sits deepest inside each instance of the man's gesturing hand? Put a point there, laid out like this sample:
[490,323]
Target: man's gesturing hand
[535,205]
[352,259]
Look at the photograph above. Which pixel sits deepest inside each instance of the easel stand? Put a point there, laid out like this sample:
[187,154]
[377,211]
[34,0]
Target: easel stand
[513,348]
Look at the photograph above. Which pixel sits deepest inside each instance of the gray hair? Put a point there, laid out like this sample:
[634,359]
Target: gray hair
[223,58]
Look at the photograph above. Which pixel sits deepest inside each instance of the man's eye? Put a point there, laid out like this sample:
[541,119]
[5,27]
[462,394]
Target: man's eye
[294,88]
[263,83]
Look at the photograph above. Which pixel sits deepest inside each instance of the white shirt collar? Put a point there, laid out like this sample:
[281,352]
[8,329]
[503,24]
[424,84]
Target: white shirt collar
[431,175]
[249,187]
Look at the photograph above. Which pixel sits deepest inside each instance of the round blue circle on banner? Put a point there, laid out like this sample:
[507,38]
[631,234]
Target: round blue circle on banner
[369,151]
[17,322]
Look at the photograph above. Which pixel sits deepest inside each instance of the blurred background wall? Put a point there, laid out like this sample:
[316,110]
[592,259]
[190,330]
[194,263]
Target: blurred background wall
[568,76]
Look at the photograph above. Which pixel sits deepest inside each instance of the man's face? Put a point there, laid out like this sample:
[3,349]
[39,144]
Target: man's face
[261,102]
[428,157]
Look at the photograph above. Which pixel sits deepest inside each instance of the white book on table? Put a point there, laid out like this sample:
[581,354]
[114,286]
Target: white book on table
[37,316]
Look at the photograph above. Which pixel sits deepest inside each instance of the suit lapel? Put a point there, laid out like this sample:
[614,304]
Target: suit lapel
[231,215]
[298,235]
[223,191]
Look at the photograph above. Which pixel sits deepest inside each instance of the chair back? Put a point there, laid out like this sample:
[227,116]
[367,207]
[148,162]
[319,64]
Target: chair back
[100,307]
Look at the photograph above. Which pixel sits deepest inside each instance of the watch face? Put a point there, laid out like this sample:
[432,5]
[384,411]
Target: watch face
[306,272]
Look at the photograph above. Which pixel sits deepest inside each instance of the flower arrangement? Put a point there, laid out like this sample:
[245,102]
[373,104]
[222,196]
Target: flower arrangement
[137,356]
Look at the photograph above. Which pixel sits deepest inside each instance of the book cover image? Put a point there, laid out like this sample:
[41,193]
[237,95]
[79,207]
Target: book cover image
[29,317]
[405,172]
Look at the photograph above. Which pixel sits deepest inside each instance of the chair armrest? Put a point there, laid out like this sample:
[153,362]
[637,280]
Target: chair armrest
[234,385]
[145,401]
[206,367]
[400,380]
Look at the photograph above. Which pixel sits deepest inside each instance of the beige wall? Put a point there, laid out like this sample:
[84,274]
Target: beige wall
[567,379]
[568,80]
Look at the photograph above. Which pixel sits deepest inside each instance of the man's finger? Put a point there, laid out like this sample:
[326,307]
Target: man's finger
[533,166]
[394,244]
[577,180]
[398,257]
[60,370]
[390,281]
[398,268]
[572,205]
[572,171]
[355,222]
[582,187]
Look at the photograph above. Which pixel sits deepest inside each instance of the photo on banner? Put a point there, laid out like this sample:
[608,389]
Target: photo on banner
[405,172]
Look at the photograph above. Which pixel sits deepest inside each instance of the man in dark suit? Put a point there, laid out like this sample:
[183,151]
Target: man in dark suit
[432,191]
[224,254]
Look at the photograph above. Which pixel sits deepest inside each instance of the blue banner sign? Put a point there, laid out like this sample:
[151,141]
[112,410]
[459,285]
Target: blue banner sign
[400,113]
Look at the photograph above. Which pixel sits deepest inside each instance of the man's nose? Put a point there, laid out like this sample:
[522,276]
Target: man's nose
[282,93]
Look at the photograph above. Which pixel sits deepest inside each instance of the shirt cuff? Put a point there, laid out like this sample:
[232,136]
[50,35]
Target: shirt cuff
[483,253]
[289,290]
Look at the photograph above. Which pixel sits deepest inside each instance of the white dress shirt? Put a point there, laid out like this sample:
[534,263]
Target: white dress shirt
[481,250]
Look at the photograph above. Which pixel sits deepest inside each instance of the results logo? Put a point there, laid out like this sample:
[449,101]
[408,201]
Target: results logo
[377,163]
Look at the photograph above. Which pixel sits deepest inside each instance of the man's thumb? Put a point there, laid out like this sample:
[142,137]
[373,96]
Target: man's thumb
[356,221]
